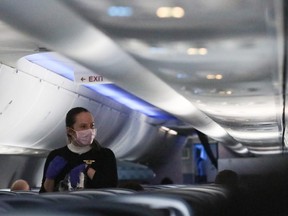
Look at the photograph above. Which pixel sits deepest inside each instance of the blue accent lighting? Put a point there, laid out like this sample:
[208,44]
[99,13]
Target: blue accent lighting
[120,11]
[46,60]
[131,101]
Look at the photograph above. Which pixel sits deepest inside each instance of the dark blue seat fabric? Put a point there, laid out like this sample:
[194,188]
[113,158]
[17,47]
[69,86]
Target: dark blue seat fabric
[204,200]
[27,193]
[166,204]
[109,209]
[60,197]
[92,194]
[7,193]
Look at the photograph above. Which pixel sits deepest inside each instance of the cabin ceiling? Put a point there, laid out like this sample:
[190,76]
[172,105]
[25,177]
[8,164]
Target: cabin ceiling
[219,66]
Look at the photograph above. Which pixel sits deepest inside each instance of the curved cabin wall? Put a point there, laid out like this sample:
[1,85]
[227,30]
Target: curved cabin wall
[26,167]
[33,106]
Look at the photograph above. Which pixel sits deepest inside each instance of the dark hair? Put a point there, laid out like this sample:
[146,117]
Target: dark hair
[166,180]
[71,119]
[71,115]
[227,177]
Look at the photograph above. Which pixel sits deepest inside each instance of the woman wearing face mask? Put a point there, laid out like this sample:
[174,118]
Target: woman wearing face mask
[83,163]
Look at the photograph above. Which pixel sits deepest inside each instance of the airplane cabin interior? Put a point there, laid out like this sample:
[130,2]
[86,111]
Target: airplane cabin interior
[179,89]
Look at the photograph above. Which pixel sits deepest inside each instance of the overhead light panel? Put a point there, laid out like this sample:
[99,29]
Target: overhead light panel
[197,51]
[170,12]
[214,76]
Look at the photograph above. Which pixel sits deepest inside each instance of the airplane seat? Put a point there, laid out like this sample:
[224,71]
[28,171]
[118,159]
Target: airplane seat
[164,204]
[7,193]
[48,212]
[108,209]
[67,204]
[203,201]
[23,203]
[118,191]
[155,187]
[93,193]
[218,191]
[27,193]
[218,201]
[28,206]
[132,185]
[5,208]
[197,202]
[239,202]
[60,197]
[148,187]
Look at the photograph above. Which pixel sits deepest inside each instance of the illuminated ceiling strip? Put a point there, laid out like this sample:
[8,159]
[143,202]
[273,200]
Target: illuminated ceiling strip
[45,60]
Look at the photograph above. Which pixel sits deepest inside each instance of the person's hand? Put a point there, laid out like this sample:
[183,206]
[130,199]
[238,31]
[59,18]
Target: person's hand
[75,174]
[55,167]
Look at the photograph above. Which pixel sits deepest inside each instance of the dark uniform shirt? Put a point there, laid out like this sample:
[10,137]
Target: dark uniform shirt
[104,163]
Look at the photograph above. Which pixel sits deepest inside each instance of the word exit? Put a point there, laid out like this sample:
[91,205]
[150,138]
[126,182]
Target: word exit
[88,78]
[92,79]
